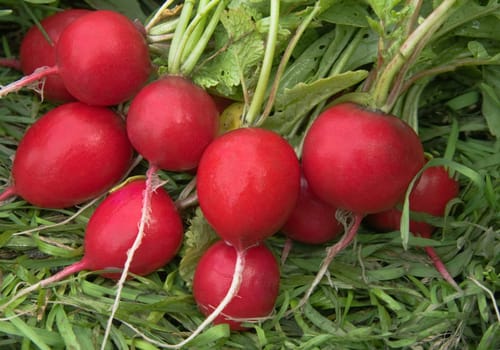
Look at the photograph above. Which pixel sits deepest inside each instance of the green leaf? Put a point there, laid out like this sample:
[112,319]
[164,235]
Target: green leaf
[294,103]
[348,12]
[197,239]
[239,50]
[28,332]
[491,107]
[65,328]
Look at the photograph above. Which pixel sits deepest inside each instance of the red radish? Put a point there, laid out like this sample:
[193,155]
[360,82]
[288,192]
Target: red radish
[73,153]
[171,121]
[112,229]
[360,161]
[258,290]
[434,189]
[248,182]
[102,58]
[38,50]
[312,221]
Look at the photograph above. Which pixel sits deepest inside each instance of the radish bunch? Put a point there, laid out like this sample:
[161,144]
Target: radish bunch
[248,182]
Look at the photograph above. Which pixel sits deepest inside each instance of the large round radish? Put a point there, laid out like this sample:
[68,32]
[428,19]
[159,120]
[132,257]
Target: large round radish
[38,51]
[433,191]
[112,230]
[102,58]
[312,221]
[248,182]
[71,154]
[258,290]
[171,121]
[359,161]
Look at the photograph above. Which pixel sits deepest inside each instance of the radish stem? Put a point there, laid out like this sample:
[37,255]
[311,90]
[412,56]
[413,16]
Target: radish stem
[410,48]
[284,61]
[260,91]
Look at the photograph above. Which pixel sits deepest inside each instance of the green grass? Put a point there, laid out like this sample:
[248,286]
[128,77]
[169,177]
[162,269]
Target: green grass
[377,294]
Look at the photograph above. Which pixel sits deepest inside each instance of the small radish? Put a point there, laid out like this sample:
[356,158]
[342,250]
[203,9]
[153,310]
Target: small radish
[171,121]
[258,290]
[359,161]
[312,221]
[434,189]
[112,229]
[102,58]
[248,182]
[38,50]
[73,153]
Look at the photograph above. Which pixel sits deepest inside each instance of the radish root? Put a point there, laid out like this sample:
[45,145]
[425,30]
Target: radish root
[38,74]
[441,268]
[351,230]
[67,271]
[231,293]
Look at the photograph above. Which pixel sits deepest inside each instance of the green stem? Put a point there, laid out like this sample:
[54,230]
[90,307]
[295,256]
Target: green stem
[201,42]
[449,67]
[408,50]
[260,90]
[152,22]
[284,61]
[339,65]
[174,53]
[194,32]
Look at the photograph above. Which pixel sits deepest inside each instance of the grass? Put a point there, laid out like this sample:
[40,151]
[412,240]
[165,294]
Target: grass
[377,295]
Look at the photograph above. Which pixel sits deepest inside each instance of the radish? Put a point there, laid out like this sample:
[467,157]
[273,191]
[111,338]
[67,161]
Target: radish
[171,121]
[112,229]
[312,221]
[360,161]
[73,153]
[258,290]
[434,189]
[38,50]
[102,58]
[248,182]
